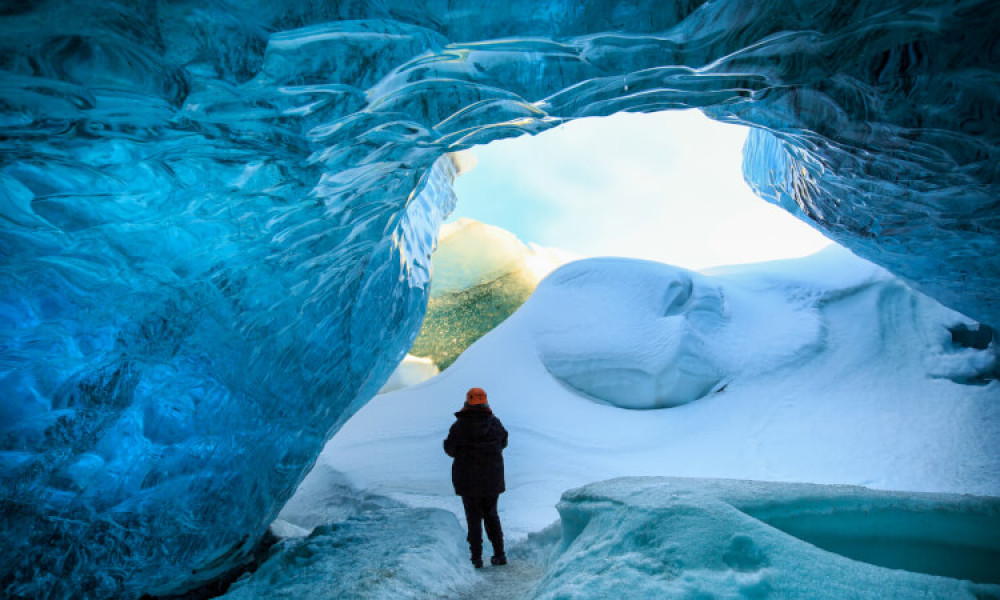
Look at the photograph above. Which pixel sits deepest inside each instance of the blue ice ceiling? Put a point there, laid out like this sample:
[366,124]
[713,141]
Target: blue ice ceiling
[217,218]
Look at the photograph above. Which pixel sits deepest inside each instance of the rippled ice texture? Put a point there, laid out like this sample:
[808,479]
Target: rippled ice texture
[666,537]
[217,216]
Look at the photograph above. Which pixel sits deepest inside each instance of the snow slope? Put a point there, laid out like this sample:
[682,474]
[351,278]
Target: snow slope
[831,371]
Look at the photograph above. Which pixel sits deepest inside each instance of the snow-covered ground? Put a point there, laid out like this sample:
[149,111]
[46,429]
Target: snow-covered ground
[829,370]
[824,369]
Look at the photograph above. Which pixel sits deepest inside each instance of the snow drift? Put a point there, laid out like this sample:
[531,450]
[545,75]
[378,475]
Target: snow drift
[831,371]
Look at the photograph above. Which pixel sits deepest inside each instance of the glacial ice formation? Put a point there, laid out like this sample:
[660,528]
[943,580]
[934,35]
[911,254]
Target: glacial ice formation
[386,552]
[657,537]
[217,218]
[674,537]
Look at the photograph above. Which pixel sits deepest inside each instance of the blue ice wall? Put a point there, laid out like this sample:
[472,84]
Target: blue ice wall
[215,218]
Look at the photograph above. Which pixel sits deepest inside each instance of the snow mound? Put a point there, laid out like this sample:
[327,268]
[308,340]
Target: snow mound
[631,333]
[383,553]
[642,335]
[675,537]
[638,334]
[833,386]
[967,353]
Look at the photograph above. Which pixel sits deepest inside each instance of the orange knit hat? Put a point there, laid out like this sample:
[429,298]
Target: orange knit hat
[475,397]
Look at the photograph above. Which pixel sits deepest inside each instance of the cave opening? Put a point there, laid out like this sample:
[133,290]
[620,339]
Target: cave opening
[666,187]
[245,175]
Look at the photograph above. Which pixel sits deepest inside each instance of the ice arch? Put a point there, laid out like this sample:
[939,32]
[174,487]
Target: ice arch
[217,217]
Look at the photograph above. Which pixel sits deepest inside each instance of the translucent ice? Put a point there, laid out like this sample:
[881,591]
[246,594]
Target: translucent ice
[673,537]
[386,552]
[216,218]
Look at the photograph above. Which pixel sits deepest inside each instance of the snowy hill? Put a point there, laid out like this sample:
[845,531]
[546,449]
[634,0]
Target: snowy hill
[824,369]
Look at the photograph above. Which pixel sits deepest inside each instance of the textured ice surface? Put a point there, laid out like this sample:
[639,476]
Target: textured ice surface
[217,217]
[672,537]
[341,542]
[389,552]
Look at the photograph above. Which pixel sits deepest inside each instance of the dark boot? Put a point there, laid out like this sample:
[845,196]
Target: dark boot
[498,560]
[476,555]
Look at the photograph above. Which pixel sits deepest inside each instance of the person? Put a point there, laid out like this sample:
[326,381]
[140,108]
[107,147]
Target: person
[476,441]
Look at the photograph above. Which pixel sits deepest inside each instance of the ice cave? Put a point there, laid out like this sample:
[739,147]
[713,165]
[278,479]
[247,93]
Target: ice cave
[218,217]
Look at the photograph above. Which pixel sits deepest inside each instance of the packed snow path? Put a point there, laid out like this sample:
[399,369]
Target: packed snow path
[514,581]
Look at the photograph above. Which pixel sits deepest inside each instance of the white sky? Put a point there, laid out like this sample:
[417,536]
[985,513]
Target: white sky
[664,186]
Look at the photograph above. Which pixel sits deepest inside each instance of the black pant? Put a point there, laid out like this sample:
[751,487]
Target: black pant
[481,511]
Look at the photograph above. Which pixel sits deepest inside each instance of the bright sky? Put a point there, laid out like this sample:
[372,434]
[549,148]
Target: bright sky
[664,186]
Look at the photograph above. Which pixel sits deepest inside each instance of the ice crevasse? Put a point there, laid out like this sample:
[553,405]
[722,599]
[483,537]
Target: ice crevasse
[217,218]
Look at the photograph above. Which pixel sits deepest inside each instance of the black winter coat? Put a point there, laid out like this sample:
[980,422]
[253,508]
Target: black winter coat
[476,442]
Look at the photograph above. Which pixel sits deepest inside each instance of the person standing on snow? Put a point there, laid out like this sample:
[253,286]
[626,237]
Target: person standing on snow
[476,441]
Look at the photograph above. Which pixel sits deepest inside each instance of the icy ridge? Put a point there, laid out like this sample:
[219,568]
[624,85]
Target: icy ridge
[670,537]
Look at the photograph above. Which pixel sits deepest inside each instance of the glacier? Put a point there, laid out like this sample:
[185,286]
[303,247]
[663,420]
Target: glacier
[217,219]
